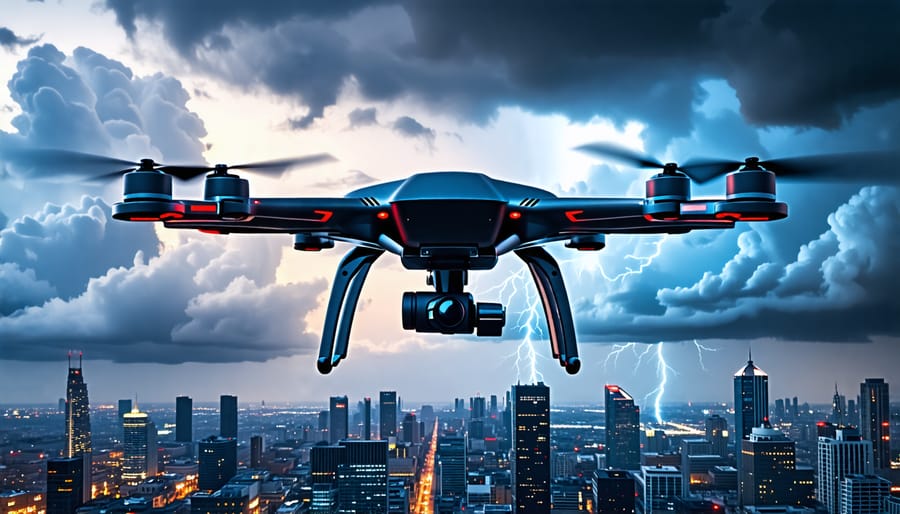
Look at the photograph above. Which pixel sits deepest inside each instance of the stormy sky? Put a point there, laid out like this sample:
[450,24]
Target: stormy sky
[393,88]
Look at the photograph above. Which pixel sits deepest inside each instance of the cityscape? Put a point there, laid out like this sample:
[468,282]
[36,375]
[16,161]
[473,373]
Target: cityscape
[513,451]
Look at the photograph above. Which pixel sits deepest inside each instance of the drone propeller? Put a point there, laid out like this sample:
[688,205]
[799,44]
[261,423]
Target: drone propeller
[46,157]
[877,166]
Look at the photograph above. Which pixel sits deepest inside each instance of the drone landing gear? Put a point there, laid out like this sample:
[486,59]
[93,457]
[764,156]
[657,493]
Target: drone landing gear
[552,290]
[348,282]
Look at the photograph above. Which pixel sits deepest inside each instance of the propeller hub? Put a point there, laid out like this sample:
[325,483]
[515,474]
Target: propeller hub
[670,168]
[751,163]
[221,169]
[147,165]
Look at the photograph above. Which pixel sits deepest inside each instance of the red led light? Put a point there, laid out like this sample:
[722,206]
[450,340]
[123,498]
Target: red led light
[326,215]
[383,215]
[209,231]
[143,219]
[571,215]
[255,202]
[514,215]
[171,215]
[613,388]
[311,249]
[201,207]
[693,207]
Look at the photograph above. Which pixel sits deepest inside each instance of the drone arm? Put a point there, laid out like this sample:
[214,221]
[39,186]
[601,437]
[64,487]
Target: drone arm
[552,290]
[348,282]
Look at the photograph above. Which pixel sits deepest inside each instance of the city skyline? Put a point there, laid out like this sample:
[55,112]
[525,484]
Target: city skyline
[389,91]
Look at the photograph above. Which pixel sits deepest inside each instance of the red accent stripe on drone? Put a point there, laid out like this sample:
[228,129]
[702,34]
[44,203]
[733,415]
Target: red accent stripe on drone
[171,216]
[326,215]
[143,219]
[693,207]
[209,231]
[571,215]
[201,207]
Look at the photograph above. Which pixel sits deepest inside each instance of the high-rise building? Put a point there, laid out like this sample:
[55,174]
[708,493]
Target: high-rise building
[184,431]
[367,419]
[769,473]
[450,461]
[751,404]
[410,428]
[623,429]
[257,447]
[68,486]
[613,492]
[217,463]
[779,408]
[530,456]
[875,419]
[658,488]
[78,422]
[124,408]
[843,455]
[228,416]
[387,410]
[838,407]
[362,479]
[78,413]
[477,407]
[864,494]
[717,434]
[17,502]
[338,419]
[139,459]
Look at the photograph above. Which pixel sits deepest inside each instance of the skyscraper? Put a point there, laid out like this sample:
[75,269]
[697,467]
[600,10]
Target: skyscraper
[218,462]
[78,423]
[530,459]
[613,492]
[450,460]
[362,479]
[68,487]
[838,408]
[410,428]
[257,448]
[477,406]
[78,413]
[875,419]
[228,416]
[338,419]
[769,473]
[387,407]
[367,419]
[623,430]
[751,404]
[845,454]
[139,451]
[184,431]
[717,434]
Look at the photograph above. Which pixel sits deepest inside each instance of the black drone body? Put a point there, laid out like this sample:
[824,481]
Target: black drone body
[448,223]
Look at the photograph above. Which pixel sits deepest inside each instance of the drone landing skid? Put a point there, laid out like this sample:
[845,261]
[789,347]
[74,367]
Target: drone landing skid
[348,282]
[552,289]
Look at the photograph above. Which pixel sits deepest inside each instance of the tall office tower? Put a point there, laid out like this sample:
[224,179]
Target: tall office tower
[477,406]
[875,419]
[218,462]
[623,430]
[228,416]
[613,492]
[864,494]
[796,408]
[184,432]
[450,462]
[788,410]
[838,411]
[387,410]
[78,413]
[779,408]
[459,407]
[847,453]
[852,414]
[426,414]
[362,479]
[658,487]
[717,434]
[768,474]
[257,447]
[410,428]
[78,422]
[338,419]
[530,456]
[124,408]
[493,406]
[139,448]
[68,486]
[367,419]
[751,404]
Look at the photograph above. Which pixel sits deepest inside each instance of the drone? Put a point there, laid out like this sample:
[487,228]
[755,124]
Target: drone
[448,223]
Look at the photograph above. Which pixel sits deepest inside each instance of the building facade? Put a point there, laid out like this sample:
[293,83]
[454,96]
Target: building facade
[530,456]
[843,455]
[139,447]
[387,410]
[623,429]
[228,416]
[875,420]
[184,430]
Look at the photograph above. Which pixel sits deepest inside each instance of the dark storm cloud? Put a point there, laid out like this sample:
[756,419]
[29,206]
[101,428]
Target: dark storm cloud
[409,127]
[10,40]
[792,63]
[840,286]
[361,117]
